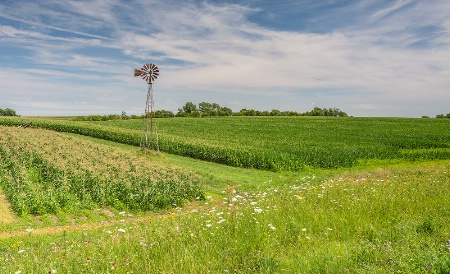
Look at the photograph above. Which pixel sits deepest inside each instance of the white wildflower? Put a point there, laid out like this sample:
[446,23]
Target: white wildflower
[258,210]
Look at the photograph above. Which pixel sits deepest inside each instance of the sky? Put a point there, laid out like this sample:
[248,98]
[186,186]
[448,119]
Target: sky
[388,58]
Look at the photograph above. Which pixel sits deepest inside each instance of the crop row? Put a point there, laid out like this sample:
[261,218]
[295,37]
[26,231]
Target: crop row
[278,143]
[66,175]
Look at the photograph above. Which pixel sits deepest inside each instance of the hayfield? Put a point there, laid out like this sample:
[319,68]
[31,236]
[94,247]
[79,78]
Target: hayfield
[372,198]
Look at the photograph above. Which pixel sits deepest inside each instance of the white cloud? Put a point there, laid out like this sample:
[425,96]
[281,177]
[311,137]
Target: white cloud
[215,48]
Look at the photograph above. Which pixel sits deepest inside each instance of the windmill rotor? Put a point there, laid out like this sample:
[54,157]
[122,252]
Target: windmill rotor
[149,72]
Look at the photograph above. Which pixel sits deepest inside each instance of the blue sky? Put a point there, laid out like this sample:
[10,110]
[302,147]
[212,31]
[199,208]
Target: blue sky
[367,57]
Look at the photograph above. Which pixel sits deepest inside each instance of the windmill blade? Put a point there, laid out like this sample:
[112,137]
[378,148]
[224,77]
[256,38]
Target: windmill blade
[149,72]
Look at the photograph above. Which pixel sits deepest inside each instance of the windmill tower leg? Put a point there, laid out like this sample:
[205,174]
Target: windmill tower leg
[149,136]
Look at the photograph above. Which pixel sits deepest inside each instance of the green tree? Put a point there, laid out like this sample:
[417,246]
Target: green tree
[7,112]
[317,112]
[224,111]
[164,114]
[275,112]
[208,109]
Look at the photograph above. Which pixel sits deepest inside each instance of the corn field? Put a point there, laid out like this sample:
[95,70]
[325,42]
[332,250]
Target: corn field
[278,143]
[46,172]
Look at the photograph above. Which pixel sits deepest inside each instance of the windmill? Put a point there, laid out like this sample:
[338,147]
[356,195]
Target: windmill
[149,136]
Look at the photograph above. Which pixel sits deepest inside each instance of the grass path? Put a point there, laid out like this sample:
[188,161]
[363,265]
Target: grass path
[6,214]
[194,206]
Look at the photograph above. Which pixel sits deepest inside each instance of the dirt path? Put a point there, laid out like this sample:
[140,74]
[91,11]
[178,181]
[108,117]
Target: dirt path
[195,206]
[6,214]
[77,227]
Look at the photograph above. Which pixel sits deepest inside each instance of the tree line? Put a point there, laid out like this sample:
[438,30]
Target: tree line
[206,109]
[443,116]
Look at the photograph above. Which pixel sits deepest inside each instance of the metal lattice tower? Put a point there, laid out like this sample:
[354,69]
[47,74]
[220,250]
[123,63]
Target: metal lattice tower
[149,136]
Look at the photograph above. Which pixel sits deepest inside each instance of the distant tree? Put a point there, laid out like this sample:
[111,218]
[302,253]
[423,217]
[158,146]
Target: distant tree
[7,112]
[289,113]
[181,114]
[164,114]
[247,112]
[317,112]
[275,112]
[187,110]
[224,111]
[208,109]
[440,116]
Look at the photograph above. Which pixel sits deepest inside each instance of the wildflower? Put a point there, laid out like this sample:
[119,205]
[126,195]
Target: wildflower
[52,271]
[108,231]
[18,272]
[271,226]
[221,221]
[304,229]
[20,251]
[122,213]
[29,230]
[121,230]
[253,203]
[113,265]
[208,225]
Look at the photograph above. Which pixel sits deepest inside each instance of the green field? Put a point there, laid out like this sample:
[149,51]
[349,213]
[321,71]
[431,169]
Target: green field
[255,195]
[279,143]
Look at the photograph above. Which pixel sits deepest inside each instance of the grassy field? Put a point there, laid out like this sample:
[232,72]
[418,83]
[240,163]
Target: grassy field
[386,212]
